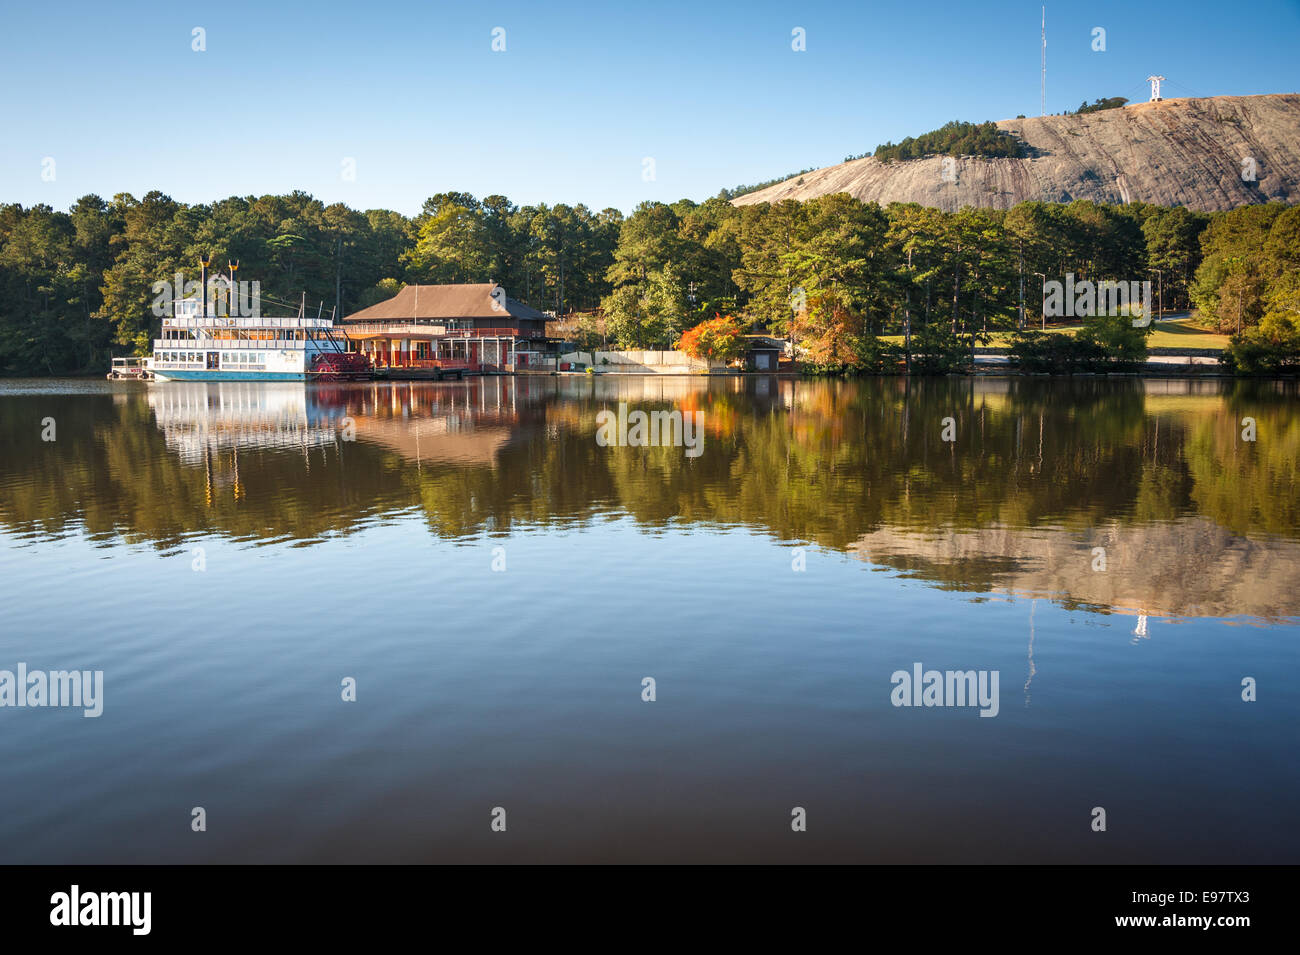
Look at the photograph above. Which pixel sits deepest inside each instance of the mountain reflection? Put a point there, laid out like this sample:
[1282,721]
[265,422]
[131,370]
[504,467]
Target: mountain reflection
[1193,519]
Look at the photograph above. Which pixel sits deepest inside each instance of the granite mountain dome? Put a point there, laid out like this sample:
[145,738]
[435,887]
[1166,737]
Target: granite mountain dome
[1198,153]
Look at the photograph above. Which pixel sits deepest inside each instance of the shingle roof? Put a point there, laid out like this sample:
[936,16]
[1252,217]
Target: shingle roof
[443,301]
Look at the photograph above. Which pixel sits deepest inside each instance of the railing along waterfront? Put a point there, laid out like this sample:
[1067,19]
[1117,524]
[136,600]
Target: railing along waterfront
[450,364]
[390,330]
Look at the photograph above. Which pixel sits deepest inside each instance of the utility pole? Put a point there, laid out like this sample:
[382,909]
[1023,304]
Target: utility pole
[1042,87]
[338,277]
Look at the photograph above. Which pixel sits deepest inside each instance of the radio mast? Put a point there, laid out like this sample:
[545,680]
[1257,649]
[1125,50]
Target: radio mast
[1042,86]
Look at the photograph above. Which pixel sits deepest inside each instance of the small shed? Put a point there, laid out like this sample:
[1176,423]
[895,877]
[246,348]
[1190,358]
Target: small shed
[763,353]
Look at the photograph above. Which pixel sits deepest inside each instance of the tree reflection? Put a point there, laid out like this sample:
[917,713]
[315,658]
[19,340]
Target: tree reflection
[1040,470]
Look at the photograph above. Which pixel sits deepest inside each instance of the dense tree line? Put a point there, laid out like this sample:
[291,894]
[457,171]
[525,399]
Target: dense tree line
[954,139]
[832,273]
[835,274]
[77,286]
[736,191]
[1097,105]
[819,269]
[1248,283]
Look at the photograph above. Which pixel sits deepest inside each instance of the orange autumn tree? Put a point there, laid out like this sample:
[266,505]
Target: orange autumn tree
[718,339]
[829,332]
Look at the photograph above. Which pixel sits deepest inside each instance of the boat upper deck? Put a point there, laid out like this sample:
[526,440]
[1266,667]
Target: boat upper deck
[189,313]
[258,322]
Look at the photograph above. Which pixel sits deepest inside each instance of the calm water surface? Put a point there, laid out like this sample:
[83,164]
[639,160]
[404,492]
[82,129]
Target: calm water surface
[499,585]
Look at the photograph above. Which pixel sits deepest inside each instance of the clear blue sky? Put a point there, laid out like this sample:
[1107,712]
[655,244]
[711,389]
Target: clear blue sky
[583,92]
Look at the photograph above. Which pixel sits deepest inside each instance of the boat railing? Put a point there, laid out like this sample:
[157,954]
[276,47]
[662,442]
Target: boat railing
[216,321]
[238,344]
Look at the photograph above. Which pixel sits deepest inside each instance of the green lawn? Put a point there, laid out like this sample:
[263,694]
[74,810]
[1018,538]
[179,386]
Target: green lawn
[1170,333]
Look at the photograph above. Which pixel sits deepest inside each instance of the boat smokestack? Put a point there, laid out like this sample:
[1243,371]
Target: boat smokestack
[204,259]
[234,301]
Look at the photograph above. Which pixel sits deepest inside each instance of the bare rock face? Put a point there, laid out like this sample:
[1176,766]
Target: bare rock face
[1206,154]
[1186,568]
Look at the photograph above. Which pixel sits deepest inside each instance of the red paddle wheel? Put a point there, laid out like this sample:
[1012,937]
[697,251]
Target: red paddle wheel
[341,366]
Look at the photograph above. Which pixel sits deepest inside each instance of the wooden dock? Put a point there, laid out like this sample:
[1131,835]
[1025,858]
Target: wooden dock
[429,370]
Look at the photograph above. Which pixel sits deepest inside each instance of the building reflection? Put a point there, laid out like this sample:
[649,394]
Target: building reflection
[1194,522]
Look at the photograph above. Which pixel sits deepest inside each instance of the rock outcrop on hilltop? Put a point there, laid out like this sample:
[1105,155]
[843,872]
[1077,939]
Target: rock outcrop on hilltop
[1197,153]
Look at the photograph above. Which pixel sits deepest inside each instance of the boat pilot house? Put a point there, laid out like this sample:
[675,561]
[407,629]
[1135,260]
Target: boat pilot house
[448,327]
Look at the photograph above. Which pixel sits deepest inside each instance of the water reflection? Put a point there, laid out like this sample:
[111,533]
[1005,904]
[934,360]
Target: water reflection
[1194,520]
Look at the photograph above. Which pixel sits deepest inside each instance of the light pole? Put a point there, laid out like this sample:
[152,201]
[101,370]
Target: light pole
[1160,275]
[1020,325]
[1044,306]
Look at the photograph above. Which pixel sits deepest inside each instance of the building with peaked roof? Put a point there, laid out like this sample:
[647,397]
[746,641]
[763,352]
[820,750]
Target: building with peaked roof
[477,327]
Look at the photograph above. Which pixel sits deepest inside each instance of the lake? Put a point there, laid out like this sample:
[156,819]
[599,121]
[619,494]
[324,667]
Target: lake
[419,622]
